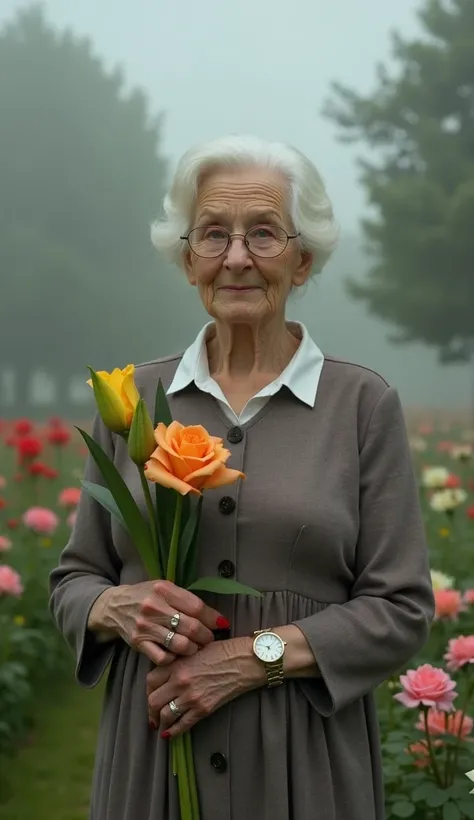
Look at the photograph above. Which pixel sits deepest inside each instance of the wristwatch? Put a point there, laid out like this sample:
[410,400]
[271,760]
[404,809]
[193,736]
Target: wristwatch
[269,648]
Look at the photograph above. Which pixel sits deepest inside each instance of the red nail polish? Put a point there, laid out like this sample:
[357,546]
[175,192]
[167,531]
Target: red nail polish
[222,623]
[165,735]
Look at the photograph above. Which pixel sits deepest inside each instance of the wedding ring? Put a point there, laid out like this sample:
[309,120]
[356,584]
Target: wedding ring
[175,620]
[175,709]
[169,638]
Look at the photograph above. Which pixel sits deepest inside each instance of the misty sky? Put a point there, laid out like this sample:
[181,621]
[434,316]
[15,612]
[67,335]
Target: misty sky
[255,66]
[265,68]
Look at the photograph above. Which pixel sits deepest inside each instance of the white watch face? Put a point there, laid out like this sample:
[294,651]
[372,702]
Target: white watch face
[269,647]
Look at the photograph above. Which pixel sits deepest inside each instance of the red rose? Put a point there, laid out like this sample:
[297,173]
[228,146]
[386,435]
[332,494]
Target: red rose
[29,447]
[22,427]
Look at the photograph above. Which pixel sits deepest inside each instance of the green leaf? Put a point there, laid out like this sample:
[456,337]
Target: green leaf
[188,554]
[451,811]
[104,497]
[162,408]
[134,521]
[395,746]
[422,791]
[467,808]
[165,497]
[403,809]
[224,586]
[436,797]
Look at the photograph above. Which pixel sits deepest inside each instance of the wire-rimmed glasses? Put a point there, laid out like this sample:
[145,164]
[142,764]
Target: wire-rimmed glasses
[264,240]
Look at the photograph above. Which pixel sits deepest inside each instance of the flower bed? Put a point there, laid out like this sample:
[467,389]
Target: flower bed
[426,711]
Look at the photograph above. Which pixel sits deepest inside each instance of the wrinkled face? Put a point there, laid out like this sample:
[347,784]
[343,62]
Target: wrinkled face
[239,286]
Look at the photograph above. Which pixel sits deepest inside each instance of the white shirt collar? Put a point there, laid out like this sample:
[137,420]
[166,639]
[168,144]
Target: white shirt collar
[301,375]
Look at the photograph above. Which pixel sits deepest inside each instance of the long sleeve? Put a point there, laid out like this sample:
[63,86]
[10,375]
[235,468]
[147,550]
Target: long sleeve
[88,565]
[359,644]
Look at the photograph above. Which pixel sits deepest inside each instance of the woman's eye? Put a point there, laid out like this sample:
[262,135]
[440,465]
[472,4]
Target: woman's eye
[215,233]
[263,233]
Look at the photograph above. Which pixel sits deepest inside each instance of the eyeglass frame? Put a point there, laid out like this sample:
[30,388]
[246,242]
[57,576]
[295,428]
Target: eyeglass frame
[243,236]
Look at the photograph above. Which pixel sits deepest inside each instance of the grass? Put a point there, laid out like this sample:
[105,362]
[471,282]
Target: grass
[50,777]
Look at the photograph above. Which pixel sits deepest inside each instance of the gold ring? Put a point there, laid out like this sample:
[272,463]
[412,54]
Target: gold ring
[175,709]
[169,638]
[175,620]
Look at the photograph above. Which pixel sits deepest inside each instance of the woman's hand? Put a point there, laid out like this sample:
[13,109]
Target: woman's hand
[200,684]
[141,615]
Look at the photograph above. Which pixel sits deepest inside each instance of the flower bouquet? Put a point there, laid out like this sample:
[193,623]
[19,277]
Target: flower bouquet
[181,462]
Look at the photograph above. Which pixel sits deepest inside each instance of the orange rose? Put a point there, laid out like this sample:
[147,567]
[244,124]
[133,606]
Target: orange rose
[189,460]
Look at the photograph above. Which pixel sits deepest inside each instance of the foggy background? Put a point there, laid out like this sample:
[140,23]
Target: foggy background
[206,69]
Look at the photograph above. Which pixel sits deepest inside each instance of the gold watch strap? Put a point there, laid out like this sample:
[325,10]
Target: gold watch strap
[274,673]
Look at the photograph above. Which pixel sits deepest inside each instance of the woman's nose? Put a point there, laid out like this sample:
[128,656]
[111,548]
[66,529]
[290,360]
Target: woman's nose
[237,254]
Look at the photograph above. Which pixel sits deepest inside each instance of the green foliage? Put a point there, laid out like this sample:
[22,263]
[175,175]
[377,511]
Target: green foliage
[82,178]
[420,125]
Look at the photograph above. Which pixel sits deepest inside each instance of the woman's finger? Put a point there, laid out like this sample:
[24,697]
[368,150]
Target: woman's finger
[168,717]
[157,677]
[191,628]
[184,724]
[182,600]
[157,655]
[176,644]
[161,697]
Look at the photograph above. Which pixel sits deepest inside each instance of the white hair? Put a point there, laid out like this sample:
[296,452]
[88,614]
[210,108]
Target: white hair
[310,207]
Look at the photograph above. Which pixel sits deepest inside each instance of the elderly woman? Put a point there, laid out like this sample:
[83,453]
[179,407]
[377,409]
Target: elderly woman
[327,525]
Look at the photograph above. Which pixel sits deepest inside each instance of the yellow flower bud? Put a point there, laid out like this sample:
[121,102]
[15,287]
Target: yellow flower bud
[19,620]
[141,438]
[116,397]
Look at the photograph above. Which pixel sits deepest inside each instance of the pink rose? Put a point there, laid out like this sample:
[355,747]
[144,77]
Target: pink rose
[41,520]
[5,543]
[441,723]
[427,686]
[10,582]
[460,651]
[421,752]
[448,603]
[468,596]
[69,497]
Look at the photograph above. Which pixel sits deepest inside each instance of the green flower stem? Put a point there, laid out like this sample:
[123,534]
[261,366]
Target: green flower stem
[173,553]
[151,515]
[467,697]
[448,753]
[434,764]
[185,805]
[181,748]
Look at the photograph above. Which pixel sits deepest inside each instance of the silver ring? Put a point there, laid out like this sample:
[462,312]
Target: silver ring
[169,638]
[175,709]
[175,620]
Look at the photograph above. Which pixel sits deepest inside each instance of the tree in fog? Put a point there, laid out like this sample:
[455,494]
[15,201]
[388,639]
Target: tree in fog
[418,127]
[81,180]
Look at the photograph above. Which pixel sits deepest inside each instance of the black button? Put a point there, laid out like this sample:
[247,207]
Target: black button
[235,435]
[219,763]
[227,505]
[226,569]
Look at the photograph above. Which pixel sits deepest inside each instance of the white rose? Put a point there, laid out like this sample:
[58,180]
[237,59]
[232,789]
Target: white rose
[462,452]
[435,477]
[441,581]
[418,444]
[447,500]
[470,775]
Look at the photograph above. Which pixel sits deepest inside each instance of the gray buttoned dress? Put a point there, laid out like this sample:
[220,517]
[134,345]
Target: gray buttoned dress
[328,526]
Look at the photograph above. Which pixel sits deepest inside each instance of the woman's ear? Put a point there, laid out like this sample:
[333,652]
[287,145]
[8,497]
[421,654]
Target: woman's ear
[188,268]
[303,270]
